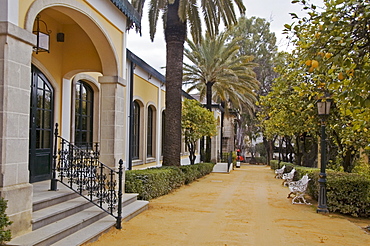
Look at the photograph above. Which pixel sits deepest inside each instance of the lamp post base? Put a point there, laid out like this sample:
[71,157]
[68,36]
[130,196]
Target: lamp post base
[322,210]
[322,206]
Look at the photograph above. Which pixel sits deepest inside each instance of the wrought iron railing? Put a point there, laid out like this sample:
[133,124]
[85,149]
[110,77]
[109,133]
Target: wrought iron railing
[80,170]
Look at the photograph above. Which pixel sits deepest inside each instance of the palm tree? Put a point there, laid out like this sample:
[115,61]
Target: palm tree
[221,75]
[177,15]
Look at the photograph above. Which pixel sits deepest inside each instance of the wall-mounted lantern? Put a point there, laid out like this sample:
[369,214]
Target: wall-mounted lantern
[43,37]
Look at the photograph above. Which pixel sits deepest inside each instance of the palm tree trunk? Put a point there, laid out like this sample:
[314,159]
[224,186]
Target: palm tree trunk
[209,96]
[209,107]
[175,33]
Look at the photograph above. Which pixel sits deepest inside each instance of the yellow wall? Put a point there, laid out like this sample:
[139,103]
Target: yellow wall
[163,99]
[115,34]
[78,51]
[24,5]
[145,90]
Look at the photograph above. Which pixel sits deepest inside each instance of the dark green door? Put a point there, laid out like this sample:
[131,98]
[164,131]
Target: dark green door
[41,127]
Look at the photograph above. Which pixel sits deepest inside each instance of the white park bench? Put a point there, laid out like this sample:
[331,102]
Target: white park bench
[298,188]
[288,177]
[279,172]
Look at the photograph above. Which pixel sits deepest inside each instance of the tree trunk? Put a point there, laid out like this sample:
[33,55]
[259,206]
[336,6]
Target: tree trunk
[298,152]
[175,33]
[207,157]
[222,132]
[348,160]
[280,150]
[209,96]
[269,149]
[209,107]
[191,147]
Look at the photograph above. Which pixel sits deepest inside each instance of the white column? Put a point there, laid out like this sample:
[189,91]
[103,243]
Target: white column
[66,112]
[159,126]
[127,115]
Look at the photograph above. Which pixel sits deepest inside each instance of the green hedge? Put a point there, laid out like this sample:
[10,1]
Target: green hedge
[5,235]
[274,164]
[261,160]
[155,182]
[347,193]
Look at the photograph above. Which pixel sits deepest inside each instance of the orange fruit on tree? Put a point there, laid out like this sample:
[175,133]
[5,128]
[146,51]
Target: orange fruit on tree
[340,76]
[350,72]
[328,55]
[314,63]
[308,62]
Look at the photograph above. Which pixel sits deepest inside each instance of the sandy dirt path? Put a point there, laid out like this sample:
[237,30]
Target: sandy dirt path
[246,207]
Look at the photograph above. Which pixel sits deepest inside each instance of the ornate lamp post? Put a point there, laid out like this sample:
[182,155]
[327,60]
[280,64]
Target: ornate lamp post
[323,107]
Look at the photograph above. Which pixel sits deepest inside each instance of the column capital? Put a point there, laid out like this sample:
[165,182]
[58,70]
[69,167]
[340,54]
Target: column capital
[112,80]
[9,29]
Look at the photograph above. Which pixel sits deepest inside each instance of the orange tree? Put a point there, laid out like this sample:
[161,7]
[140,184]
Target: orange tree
[286,111]
[196,122]
[331,58]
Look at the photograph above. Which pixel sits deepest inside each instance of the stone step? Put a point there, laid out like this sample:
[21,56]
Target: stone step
[93,231]
[64,218]
[60,229]
[89,233]
[48,215]
[222,167]
[128,198]
[43,198]
[51,214]
[133,209]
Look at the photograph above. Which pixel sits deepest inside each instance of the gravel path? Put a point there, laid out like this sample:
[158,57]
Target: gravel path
[246,207]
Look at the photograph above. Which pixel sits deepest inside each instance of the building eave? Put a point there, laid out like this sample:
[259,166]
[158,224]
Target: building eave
[141,63]
[127,9]
[149,69]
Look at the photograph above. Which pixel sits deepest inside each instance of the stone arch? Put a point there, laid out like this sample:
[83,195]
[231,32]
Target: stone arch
[85,18]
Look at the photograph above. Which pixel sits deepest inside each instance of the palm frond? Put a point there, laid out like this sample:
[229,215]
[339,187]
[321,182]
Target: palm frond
[216,61]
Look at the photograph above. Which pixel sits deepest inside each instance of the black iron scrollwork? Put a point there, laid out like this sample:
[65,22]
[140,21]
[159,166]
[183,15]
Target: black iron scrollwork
[80,170]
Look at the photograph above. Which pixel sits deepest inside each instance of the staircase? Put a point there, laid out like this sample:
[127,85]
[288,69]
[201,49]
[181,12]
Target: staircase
[64,218]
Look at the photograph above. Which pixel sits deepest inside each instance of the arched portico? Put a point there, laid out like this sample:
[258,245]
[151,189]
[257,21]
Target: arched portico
[71,12]
[91,44]
[88,47]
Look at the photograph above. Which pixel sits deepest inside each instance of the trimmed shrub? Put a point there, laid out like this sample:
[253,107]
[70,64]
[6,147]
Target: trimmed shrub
[261,160]
[190,173]
[155,182]
[274,164]
[347,193]
[5,235]
[204,168]
[152,183]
